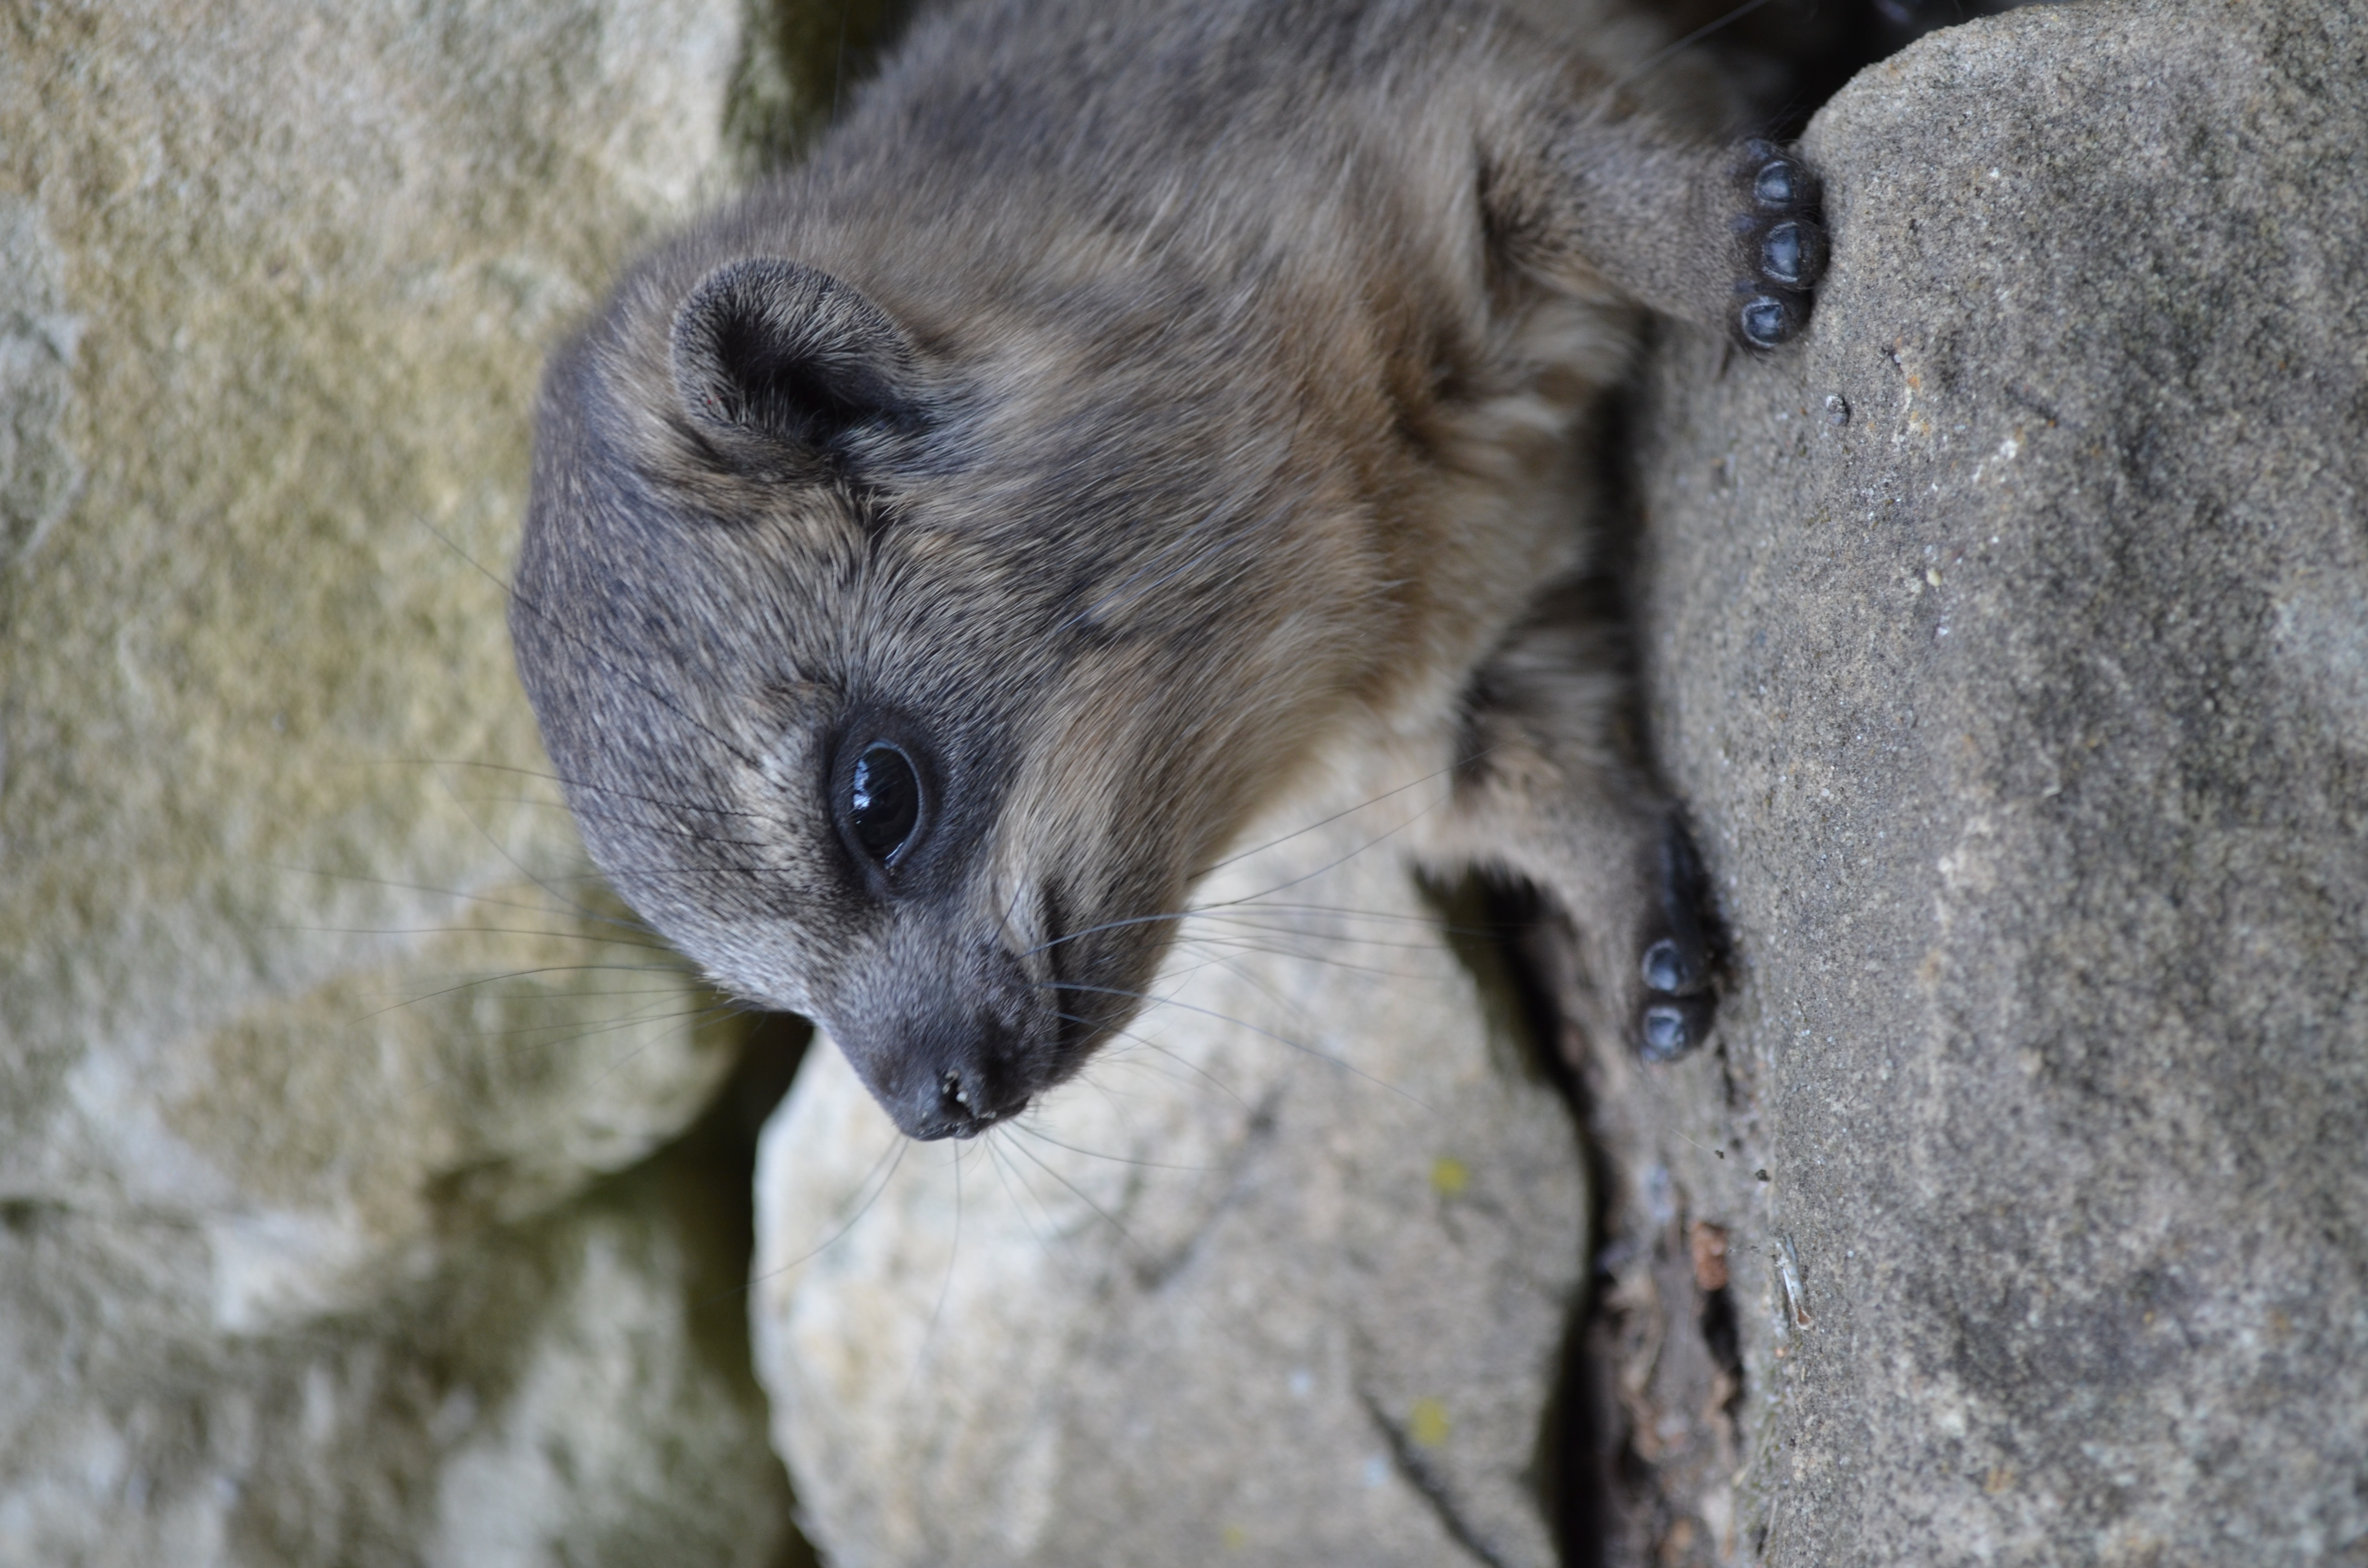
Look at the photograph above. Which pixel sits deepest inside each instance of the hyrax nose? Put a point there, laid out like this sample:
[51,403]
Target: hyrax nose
[963,1109]
[963,1100]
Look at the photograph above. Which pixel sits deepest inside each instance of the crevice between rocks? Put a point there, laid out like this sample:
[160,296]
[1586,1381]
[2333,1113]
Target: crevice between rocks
[721,1146]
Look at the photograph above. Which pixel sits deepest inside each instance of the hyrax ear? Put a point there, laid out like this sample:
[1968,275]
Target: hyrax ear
[770,353]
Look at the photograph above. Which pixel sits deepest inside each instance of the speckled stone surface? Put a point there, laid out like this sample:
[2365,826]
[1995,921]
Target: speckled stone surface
[312,1035]
[2010,640]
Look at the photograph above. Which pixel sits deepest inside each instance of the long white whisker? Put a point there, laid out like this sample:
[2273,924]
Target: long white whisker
[566,905]
[953,1255]
[1149,1044]
[1043,1137]
[1003,1173]
[897,1145]
[1107,1218]
[1239,1024]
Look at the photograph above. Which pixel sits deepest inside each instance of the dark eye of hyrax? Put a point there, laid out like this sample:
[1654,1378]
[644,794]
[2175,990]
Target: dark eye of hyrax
[883,801]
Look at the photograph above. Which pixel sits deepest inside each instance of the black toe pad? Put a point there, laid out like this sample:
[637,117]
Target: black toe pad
[1666,1030]
[1781,245]
[1677,960]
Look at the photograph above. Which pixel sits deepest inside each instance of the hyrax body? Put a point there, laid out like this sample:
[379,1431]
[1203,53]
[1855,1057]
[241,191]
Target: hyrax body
[936,558]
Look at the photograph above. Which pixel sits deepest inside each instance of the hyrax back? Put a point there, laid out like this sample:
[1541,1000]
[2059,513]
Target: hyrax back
[935,558]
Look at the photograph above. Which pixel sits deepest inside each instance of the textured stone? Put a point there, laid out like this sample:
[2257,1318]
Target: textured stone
[302,986]
[1284,1278]
[2010,639]
[297,271]
[570,1390]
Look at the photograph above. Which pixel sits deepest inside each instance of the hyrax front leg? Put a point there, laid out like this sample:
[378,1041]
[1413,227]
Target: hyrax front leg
[1546,792]
[1732,237]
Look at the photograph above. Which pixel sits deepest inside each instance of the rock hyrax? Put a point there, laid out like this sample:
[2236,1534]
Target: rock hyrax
[936,557]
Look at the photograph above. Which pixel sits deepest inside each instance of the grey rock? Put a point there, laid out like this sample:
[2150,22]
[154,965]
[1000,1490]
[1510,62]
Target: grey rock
[2024,710]
[287,951]
[39,472]
[1284,1278]
[565,1390]
[305,1008]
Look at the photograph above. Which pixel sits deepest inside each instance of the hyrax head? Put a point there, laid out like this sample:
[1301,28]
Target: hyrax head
[903,668]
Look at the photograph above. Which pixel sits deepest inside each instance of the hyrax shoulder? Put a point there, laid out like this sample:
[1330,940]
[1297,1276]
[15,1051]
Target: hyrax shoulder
[936,557]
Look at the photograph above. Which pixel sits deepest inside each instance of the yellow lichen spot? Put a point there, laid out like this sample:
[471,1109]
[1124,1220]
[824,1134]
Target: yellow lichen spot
[1449,1177]
[2000,1479]
[1427,1424]
[1234,1537]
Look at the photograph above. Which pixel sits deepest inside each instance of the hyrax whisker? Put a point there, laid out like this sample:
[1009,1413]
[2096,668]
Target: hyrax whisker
[1013,1187]
[1210,909]
[1233,964]
[535,973]
[1021,1130]
[667,830]
[1086,1079]
[1135,1041]
[1244,930]
[1332,865]
[1433,775]
[502,850]
[552,932]
[1124,1056]
[524,1048]
[891,1156]
[1245,1025]
[1230,911]
[572,1034]
[1107,1218]
[1307,955]
[945,1291]
[591,915]
[563,780]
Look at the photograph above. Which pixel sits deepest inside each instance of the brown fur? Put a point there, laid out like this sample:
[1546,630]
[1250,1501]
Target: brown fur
[1126,395]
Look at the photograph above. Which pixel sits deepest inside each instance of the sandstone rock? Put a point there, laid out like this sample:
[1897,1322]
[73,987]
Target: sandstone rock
[290,281]
[303,984]
[2011,640]
[569,1389]
[1284,1278]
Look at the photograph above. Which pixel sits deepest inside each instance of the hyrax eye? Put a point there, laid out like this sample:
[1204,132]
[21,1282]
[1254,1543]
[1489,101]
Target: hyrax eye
[883,801]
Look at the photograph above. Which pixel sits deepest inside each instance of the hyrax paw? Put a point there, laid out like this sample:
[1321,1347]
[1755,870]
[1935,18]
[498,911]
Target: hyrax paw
[1675,1013]
[1781,245]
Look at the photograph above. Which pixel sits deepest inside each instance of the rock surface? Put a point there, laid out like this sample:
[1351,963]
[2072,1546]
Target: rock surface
[2007,638]
[2010,639]
[561,1391]
[1284,1278]
[308,1019]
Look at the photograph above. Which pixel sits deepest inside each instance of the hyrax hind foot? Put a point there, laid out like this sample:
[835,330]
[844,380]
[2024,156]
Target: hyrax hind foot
[1780,244]
[1675,965]
[1545,794]
[1621,946]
